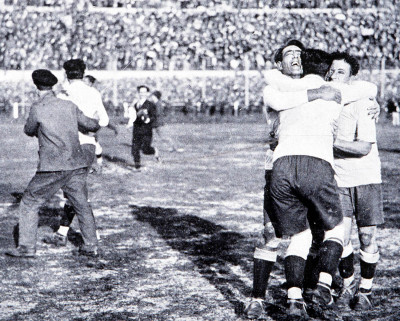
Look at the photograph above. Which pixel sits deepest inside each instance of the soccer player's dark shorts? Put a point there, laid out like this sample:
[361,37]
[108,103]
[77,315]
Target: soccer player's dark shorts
[364,202]
[267,198]
[303,192]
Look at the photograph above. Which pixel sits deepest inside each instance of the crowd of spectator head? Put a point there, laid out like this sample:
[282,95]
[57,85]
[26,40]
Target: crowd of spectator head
[176,39]
[194,4]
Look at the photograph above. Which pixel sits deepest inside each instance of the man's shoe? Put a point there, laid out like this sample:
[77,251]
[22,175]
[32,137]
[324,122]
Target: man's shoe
[56,239]
[297,310]
[347,293]
[22,252]
[322,295]
[90,253]
[134,168]
[362,300]
[254,309]
[307,295]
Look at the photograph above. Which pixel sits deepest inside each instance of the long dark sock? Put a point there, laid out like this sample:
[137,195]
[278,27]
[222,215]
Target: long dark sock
[367,269]
[346,266]
[311,272]
[329,256]
[261,270]
[68,215]
[294,270]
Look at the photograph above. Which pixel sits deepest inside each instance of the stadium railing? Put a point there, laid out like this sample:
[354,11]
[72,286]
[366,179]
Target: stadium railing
[179,88]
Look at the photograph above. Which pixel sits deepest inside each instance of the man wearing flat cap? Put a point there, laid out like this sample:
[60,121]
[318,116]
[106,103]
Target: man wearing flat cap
[62,165]
[89,101]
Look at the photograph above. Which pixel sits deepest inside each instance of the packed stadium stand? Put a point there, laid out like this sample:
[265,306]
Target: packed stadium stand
[193,35]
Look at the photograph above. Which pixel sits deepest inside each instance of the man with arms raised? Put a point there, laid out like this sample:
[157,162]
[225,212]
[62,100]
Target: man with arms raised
[288,61]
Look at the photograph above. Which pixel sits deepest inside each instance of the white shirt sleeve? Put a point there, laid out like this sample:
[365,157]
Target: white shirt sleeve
[282,82]
[279,100]
[101,111]
[356,90]
[366,129]
[132,115]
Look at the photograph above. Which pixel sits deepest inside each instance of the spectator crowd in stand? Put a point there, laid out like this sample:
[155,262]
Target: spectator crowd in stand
[191,4]
[188,35]
[176,39]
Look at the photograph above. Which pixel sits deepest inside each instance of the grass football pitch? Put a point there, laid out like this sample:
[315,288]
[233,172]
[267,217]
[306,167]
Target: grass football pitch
[177,238]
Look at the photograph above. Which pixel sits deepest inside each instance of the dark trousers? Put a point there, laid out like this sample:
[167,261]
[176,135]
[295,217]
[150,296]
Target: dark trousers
[41,188]
[68,214]
[141,141]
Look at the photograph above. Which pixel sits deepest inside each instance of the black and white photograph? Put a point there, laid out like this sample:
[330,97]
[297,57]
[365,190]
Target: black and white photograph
[221,160]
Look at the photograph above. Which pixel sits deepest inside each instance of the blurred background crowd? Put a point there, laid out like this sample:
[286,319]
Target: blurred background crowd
[194,35]
[247,4]
[176,39]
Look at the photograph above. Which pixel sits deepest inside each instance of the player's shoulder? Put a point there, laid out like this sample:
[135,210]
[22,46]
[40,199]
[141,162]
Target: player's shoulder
[93,91]
[366,85]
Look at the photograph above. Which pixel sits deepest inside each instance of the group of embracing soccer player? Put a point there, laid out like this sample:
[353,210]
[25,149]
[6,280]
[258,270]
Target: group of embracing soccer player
[321,170]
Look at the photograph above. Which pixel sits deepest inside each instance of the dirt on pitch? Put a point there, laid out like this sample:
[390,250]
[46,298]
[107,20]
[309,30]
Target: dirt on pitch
[177,238]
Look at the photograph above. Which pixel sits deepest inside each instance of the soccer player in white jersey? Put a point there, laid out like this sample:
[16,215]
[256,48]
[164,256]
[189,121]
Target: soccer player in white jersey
[89,101]
[302,177]
[98,165]
[358,174]
[287,59]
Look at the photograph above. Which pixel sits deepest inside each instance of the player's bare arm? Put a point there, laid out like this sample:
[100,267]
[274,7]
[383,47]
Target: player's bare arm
[357,148]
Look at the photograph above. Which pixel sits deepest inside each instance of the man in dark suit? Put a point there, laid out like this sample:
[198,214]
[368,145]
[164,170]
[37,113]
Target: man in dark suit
[62,164]
[146,112]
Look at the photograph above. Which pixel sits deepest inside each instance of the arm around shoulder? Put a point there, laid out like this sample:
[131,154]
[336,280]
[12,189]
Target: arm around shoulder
[357,90]
[86,124]
[279,100]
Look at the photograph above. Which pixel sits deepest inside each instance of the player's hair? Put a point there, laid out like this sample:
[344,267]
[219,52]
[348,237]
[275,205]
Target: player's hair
[91,79]
[293,42]
[157,94]
[42,88]
[143,86]
[351,60]
[74,74]
[315,61]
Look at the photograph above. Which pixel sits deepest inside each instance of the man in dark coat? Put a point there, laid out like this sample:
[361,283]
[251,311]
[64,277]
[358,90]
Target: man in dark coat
[146,112]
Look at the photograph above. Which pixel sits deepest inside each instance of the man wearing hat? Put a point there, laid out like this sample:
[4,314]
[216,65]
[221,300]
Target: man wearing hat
[89,101]
[62,165]
[146,117]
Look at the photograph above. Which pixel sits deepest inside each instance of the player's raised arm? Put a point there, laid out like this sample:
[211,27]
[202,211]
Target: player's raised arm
[356,90]
[279,100]
[283,82]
